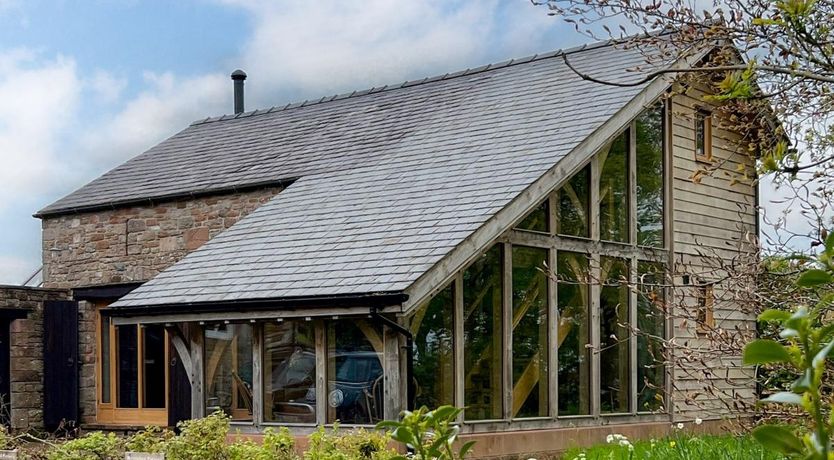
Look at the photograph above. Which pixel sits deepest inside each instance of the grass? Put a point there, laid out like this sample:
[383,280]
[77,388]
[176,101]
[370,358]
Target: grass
[678,447]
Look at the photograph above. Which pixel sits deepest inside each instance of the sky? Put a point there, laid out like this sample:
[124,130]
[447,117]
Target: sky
[86,85]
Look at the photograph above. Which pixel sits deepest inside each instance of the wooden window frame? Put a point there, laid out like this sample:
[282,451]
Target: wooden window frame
[109,413]
[704,116]
[705,310]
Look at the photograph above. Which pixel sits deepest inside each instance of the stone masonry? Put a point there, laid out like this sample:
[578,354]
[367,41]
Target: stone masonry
[27,353]
[127,245]
[135,243]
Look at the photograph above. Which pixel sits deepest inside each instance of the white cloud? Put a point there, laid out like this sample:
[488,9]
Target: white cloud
[39,101]
[15,270]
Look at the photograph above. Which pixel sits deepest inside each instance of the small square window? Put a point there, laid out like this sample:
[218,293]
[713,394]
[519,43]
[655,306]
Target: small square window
[703,136]
[705,320]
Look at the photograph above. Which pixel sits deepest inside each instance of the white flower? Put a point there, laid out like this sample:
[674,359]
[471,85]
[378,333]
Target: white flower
[609,439]
[624,443]
[680,426]
[698,421]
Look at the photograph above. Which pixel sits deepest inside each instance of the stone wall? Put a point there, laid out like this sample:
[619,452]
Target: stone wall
[26,344]
[127,245]
[135,243]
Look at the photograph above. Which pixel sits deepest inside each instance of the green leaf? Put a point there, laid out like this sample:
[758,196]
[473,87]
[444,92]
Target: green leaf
[774,315]
[829,243]
[762,351]
[802,384]
[813,278]
[465,449]
[784,397]
[778,438]
[822,354]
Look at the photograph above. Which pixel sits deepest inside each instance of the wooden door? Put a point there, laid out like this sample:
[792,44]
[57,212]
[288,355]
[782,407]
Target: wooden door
[60,364]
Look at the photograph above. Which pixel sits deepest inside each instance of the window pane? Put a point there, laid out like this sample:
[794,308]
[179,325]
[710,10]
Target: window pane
[650,177]
[128,362]
[701,120]
[354,366]
[529,332]
[290,372]
[573,204]
[104,330]
[154,371]
[482,300]
[229,371]
[613,191]
[432,326]
[573,334]
[537,219]
[615,372]
[651,324]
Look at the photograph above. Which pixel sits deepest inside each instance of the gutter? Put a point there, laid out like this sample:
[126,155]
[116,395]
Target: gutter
[409,354]
[371,300]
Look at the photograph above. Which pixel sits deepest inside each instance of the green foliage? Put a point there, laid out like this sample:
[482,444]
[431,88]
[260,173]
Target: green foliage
[152,439]
[275,446]
[94,446]
[431,434]
[200,439]
[360,444]
[807,342]
[678,448]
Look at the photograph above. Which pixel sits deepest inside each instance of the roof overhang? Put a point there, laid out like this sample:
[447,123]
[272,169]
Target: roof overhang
[266,309]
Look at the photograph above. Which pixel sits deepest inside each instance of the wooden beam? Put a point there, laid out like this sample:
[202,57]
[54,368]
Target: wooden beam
[553,342]
[594,291]
[321,373]
[392,399]
[506,362]
[257,374]
[178,340]
[459,344]
[196,347]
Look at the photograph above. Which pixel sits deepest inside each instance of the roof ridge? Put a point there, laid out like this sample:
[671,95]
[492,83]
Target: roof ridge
[421,81]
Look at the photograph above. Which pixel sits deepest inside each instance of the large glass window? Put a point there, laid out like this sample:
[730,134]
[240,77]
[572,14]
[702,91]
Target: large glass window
[153,359]
[650,177]
[651,332]
[615,372]
[128,366]
[537,220]
[354,370]
[228,369]
[529,335]
[613,191]
[104,359]
[133,366]
[483,364]
[573,199]
[573,334]
[289,372]
[433,329]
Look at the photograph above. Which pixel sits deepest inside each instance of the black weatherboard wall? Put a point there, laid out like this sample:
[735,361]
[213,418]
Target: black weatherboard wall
[60,358]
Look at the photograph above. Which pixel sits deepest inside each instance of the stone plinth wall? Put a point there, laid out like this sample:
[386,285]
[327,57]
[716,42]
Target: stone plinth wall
[135,243]
[26,350]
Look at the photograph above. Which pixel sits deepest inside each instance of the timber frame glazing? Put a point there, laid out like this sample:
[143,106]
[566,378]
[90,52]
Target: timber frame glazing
[530,233]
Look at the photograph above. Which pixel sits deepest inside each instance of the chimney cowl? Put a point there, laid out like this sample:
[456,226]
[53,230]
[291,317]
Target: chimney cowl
[238,76]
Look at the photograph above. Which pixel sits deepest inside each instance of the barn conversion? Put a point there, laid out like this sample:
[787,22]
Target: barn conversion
[509,239]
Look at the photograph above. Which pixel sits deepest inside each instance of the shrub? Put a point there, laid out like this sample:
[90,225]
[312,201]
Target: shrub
[358,444]
[431,434]
[275,446]
[152,439]
[94,446]
[200,439]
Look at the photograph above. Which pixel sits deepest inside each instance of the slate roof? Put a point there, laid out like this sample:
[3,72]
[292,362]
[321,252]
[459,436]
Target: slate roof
[388,182]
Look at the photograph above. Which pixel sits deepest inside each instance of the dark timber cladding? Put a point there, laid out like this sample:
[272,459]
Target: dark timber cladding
[60,356]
